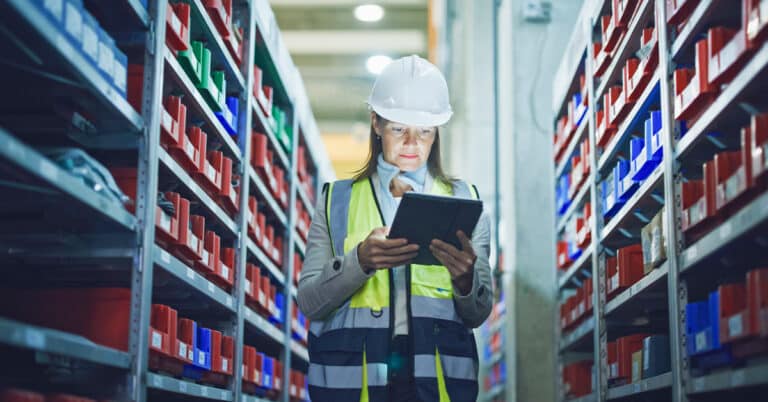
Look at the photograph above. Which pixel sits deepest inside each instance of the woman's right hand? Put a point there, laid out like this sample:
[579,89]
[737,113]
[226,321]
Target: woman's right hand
[378,252]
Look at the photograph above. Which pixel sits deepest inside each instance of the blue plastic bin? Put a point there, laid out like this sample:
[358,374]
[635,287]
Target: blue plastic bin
[228,115]
[54,9]
[73,21]
[611,201]
[654,124]
[626,186]
[106,60]
[201,352]
[90,37]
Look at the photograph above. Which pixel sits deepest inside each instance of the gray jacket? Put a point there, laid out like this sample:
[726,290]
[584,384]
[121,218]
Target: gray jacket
[326,282]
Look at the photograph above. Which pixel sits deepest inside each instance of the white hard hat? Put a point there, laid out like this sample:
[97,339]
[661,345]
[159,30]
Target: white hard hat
[411,91]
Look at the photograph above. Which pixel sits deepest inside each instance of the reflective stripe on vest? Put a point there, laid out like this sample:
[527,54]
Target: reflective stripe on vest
[362,326]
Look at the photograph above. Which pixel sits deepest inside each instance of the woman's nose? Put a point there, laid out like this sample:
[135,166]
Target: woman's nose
[411,137]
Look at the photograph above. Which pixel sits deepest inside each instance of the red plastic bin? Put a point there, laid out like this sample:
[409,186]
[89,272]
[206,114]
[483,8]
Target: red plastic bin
[731,176]
[625,347]
[679,10]
[229,196]
[698,199]
[602,59]
[732,313]
[99,314]
[755,20]
[612,32]
[221,14]
[210,254]
[692,89]
[225,273]
[20,395]
[727,51]
[759,145]
[629,269]
[177,20]
[616,104]
[222,358]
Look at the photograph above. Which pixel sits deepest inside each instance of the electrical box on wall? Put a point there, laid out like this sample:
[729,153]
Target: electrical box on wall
[537,11]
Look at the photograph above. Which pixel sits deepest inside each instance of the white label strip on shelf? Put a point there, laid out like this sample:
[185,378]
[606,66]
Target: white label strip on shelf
[190,273]
[182,386]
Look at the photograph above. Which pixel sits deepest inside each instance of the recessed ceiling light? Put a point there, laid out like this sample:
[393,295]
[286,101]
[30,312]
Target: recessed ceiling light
[369,12]
[376,64]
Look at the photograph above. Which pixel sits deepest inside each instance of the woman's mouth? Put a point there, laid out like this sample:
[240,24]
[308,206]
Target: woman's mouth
[409,156]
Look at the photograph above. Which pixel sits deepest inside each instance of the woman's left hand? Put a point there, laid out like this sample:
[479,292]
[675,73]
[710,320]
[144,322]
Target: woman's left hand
[460,263]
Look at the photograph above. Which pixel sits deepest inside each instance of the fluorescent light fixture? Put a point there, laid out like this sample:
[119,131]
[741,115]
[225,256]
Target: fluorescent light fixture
[369,12]
[376,64]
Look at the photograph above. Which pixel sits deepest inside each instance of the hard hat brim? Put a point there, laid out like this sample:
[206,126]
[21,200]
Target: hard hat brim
[413,117]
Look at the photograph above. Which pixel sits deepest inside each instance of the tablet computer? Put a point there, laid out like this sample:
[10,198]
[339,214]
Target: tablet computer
[423,217]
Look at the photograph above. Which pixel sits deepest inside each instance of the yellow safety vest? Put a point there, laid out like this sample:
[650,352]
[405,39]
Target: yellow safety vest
[348,350]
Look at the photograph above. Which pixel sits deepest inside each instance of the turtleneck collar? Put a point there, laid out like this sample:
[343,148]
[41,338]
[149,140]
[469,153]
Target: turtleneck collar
[388,171]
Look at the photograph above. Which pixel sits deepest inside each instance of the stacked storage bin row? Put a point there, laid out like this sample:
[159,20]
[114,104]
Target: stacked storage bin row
[714,56]
[578,379]
[262,295]
[495,369]
[628,175]
[262,374]
[577,169]
[576,237]
[192,91]
[636,357]
[730,326]
[728,181]
[23,395]
[83,31]
[183,348]
[578,307]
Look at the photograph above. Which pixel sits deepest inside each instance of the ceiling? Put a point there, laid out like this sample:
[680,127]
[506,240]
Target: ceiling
[330,47]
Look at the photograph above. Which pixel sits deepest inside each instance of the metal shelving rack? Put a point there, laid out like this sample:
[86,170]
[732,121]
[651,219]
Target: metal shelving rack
[119,246]
[692,266]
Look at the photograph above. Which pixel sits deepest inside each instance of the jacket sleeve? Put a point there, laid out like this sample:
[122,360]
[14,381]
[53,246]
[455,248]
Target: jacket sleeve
[326,282]
[475,306]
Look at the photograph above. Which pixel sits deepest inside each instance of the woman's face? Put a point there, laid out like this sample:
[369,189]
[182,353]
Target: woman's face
[406,147]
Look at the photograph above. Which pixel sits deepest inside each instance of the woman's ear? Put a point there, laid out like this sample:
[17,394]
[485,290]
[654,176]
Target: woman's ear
[375,122]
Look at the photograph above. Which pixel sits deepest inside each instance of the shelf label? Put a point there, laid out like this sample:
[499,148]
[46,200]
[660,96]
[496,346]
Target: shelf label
[725,230]
[229,301]
[190,150]
[175,23]
[692,253]
[190,273]
[698,384]
[49,170]
[182,386]
[225,271]
[201,358]
[210,287]
[183,350]
[157,381]
[34,338]
[203,390]
[165,257]
[735,325]
[223,396]
[701,341]
[210,172]
[157,340]
[206,257]
[192,241]
[737,378]
[636,388]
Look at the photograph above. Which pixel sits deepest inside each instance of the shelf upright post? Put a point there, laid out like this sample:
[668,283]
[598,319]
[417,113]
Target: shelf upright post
[677,295]
[149,141]
[288,254]
[600,354]
[244,123]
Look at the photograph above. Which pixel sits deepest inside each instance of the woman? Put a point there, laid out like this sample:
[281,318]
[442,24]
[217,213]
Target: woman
[383,329]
